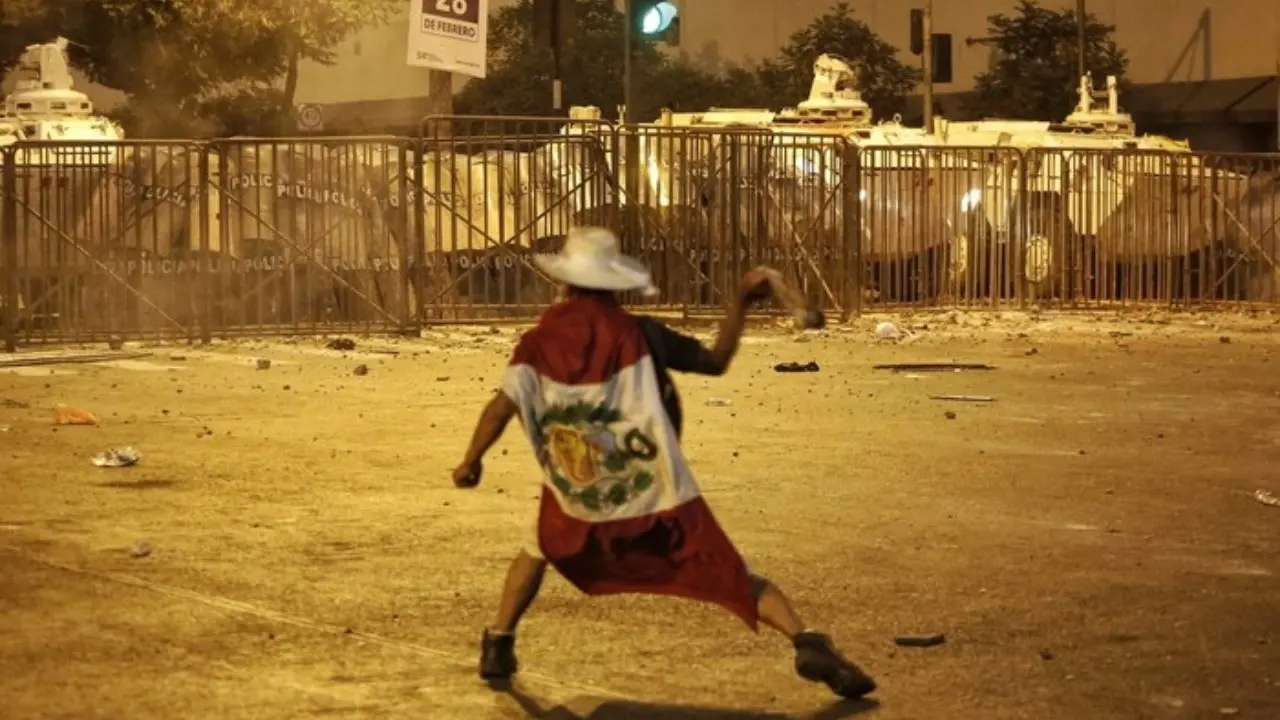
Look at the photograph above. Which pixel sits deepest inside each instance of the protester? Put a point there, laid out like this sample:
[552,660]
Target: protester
[620,510]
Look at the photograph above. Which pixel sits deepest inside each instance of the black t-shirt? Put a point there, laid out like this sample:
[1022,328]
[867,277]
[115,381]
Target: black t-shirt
[670,350]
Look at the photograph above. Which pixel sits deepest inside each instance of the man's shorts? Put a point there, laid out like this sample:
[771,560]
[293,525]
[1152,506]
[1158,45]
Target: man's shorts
[533,548]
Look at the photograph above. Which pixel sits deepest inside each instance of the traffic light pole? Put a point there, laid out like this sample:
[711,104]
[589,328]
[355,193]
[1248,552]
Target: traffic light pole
[928,66]
[631,141]
[628,33]
[1080,40]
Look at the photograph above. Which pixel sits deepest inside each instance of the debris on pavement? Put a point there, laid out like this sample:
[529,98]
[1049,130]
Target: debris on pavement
[964,398]
[60,359]
[1266,498]
[67,415]
[719,402]
[927,640]
[950,415]
[361,370]
[888,332]
[263,364]
[343,344]
[932,367]
[141,549]
[795,367]
[116,458]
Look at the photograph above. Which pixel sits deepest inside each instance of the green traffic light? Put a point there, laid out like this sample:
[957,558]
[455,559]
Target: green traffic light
[658,18]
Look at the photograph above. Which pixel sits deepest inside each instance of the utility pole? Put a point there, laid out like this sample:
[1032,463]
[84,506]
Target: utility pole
[927,56]
[1080,40]
[630,140]
[628,107]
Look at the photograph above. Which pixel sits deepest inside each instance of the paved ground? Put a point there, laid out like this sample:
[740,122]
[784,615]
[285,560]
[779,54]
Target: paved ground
[1089,542]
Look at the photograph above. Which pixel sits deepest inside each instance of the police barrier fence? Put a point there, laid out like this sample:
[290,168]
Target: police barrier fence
[253,236]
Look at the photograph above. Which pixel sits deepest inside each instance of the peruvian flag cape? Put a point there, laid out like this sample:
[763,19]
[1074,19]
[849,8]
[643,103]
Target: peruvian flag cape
[620,510]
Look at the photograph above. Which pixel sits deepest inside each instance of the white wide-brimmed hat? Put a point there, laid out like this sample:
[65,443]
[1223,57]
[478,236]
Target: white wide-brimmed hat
[591,259]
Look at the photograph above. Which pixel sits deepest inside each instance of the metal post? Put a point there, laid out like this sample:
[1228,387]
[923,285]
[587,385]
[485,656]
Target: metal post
[557,42]
[9,246]
[557,85]
[1080,39]
[928,66]
[440,92]
[631,140]
[628,107]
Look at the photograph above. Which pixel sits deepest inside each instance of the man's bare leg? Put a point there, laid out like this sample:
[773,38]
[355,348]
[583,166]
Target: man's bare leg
[817,659]
[775,609]
[524,579]
[498,646]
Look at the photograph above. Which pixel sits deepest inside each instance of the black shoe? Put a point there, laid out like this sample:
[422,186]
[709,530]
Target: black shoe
[498,656]
[817,660]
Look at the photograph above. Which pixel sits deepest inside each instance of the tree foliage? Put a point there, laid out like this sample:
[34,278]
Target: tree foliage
[519,79]
[1034,76]
[181,61]
[883,80]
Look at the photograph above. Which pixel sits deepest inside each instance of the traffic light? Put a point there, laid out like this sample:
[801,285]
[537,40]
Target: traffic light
[917,31]
[657,20]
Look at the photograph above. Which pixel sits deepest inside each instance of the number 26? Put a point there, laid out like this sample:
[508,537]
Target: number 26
[457,7]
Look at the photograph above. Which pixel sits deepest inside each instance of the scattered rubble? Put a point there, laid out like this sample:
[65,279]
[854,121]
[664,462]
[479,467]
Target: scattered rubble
[116,458]
[932,367]
[795,367]
[67,415]
[888,332]
[927,640]
[341,344]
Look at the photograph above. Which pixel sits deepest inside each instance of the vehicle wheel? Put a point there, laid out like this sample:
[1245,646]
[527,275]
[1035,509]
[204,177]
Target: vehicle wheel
[1044,250]
[970,260]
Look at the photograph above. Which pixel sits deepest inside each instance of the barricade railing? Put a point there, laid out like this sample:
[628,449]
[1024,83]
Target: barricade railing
[275,235]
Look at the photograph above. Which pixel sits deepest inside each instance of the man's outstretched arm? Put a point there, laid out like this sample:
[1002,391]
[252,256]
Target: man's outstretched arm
[493,421]
[686,354]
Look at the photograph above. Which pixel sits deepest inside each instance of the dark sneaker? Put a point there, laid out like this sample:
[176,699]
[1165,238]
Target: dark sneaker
[497,655]
[817,660]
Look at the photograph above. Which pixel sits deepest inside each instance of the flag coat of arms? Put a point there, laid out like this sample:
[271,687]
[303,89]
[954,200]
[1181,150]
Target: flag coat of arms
[620,510]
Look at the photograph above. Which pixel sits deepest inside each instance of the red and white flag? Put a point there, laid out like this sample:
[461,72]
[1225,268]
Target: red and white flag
[620,510]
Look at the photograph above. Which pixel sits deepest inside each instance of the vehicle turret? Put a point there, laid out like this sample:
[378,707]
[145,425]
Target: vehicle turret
[47,107]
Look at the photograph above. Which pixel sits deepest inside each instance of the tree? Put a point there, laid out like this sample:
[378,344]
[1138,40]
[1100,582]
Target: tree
[883,80]
[180,60]
[519,78]
[1035,73]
